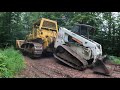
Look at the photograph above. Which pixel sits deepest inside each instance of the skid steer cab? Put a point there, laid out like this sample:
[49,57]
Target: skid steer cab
[84,30]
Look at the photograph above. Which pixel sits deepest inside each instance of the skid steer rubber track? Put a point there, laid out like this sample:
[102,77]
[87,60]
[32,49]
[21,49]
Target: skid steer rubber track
[69,57]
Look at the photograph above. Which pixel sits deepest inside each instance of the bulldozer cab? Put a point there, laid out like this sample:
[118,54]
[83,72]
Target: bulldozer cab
[42,29]
[46,24]
[84,30]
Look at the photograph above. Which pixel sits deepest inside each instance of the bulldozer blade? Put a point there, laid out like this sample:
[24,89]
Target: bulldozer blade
[101,68]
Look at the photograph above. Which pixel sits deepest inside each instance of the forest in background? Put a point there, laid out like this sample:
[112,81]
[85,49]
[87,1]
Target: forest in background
[16,25]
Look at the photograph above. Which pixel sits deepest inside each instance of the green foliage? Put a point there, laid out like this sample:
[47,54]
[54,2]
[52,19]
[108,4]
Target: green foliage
[11,62]
[16,25]
[115,59]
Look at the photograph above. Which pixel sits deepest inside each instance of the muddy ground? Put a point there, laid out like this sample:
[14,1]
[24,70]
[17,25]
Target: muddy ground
[49,67]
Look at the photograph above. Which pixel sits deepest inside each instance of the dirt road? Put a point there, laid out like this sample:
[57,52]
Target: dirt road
[50,67]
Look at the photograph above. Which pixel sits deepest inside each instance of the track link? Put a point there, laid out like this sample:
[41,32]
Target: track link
[32,49]
[69,57]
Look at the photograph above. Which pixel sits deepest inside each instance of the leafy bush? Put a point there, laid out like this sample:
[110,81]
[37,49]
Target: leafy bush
[11,62]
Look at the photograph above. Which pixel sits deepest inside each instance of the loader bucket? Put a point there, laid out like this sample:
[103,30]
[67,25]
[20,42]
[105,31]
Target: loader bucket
[101,68]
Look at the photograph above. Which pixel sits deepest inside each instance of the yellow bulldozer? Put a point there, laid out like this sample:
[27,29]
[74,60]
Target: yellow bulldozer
[40,39]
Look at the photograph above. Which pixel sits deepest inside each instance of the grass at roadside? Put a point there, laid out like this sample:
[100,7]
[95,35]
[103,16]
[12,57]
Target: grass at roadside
[11,62]
[114,59]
